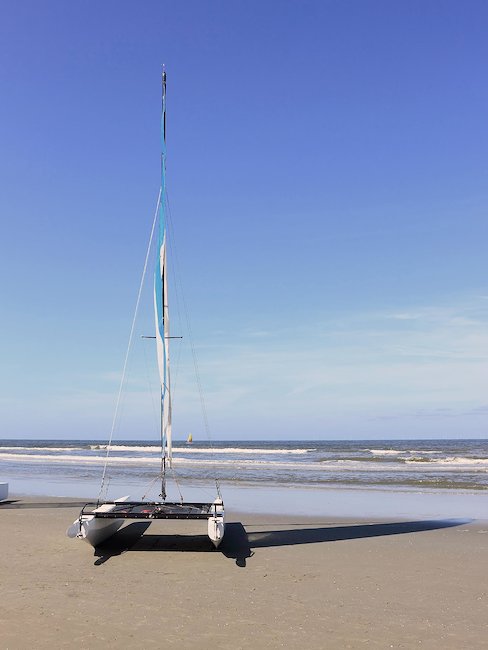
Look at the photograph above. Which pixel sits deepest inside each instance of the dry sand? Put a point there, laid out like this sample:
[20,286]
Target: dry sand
[275,583]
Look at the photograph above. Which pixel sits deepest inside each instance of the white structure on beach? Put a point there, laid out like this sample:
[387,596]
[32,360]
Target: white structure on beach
[3,491]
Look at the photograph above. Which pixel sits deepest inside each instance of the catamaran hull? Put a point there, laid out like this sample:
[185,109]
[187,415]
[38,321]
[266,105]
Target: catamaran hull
[216,523]
[94,530]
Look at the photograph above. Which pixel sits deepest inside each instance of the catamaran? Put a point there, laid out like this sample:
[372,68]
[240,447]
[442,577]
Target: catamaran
[97,524]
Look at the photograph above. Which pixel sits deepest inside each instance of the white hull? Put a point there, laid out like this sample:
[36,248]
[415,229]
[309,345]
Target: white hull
[94,530]
[3,491]
[216,524]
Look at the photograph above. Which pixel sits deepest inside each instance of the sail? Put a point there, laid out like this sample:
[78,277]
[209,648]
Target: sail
[161,297]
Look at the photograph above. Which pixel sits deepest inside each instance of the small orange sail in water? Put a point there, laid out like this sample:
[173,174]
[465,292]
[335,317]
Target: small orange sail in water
[189,440]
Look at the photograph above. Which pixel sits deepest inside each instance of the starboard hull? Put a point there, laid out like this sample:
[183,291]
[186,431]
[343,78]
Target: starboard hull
[216,523]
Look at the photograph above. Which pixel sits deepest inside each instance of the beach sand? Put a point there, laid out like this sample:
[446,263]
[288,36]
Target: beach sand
[276,582]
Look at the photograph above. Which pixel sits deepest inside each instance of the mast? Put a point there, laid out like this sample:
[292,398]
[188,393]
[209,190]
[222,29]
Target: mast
[161,309]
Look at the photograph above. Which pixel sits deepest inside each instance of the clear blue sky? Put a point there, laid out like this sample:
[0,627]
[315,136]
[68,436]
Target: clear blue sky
[327,172]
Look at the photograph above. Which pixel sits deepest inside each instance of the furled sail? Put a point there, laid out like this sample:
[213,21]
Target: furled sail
[161,298]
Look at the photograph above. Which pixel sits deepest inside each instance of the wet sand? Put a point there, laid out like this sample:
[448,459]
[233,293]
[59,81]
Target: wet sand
[276,582]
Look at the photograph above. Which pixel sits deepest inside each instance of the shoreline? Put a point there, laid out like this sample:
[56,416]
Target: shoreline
[291,500]
[276,581]
[49,502]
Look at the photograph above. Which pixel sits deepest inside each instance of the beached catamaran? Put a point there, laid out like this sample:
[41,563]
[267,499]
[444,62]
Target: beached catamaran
[96,524]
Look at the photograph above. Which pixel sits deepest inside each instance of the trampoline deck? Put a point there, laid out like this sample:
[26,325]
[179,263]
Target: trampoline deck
[151,510]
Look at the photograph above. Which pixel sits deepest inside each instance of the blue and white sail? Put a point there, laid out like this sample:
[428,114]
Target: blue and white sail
[161,298]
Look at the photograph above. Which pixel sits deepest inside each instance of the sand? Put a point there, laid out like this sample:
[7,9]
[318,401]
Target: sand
[276,582]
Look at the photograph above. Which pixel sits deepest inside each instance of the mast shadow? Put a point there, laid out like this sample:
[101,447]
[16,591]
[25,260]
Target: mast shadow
[238,544]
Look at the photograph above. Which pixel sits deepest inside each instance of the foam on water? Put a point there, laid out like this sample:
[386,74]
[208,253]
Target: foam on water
[453,460]
[443,464]
[206,450]
[385,452]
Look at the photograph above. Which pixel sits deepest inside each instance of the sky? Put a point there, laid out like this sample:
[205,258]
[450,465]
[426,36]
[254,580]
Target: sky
[327,180]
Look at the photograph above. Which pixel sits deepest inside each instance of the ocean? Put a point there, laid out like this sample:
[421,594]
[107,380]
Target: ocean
[394,467]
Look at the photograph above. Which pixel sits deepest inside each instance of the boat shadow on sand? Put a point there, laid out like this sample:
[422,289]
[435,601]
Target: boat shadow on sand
[239,544]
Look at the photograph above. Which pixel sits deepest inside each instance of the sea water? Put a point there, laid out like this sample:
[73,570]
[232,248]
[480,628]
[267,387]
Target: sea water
[429,477]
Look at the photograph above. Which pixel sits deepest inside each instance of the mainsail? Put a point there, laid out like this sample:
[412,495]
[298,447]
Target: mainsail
[161,302]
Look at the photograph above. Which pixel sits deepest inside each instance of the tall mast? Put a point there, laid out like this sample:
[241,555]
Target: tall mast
[161,309]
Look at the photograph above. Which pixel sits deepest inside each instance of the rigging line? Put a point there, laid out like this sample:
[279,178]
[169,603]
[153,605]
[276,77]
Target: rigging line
[172,250]
[177,483]
[150,486]
[188,326]
[129,344]
[190,334]
[193,351]
[150,388]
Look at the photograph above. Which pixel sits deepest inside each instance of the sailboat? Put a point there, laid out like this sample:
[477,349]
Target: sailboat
[95,525]
[189,440]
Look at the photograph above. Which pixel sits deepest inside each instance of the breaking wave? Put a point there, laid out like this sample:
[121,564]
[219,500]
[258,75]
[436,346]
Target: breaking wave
[203,450]
[454,464]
